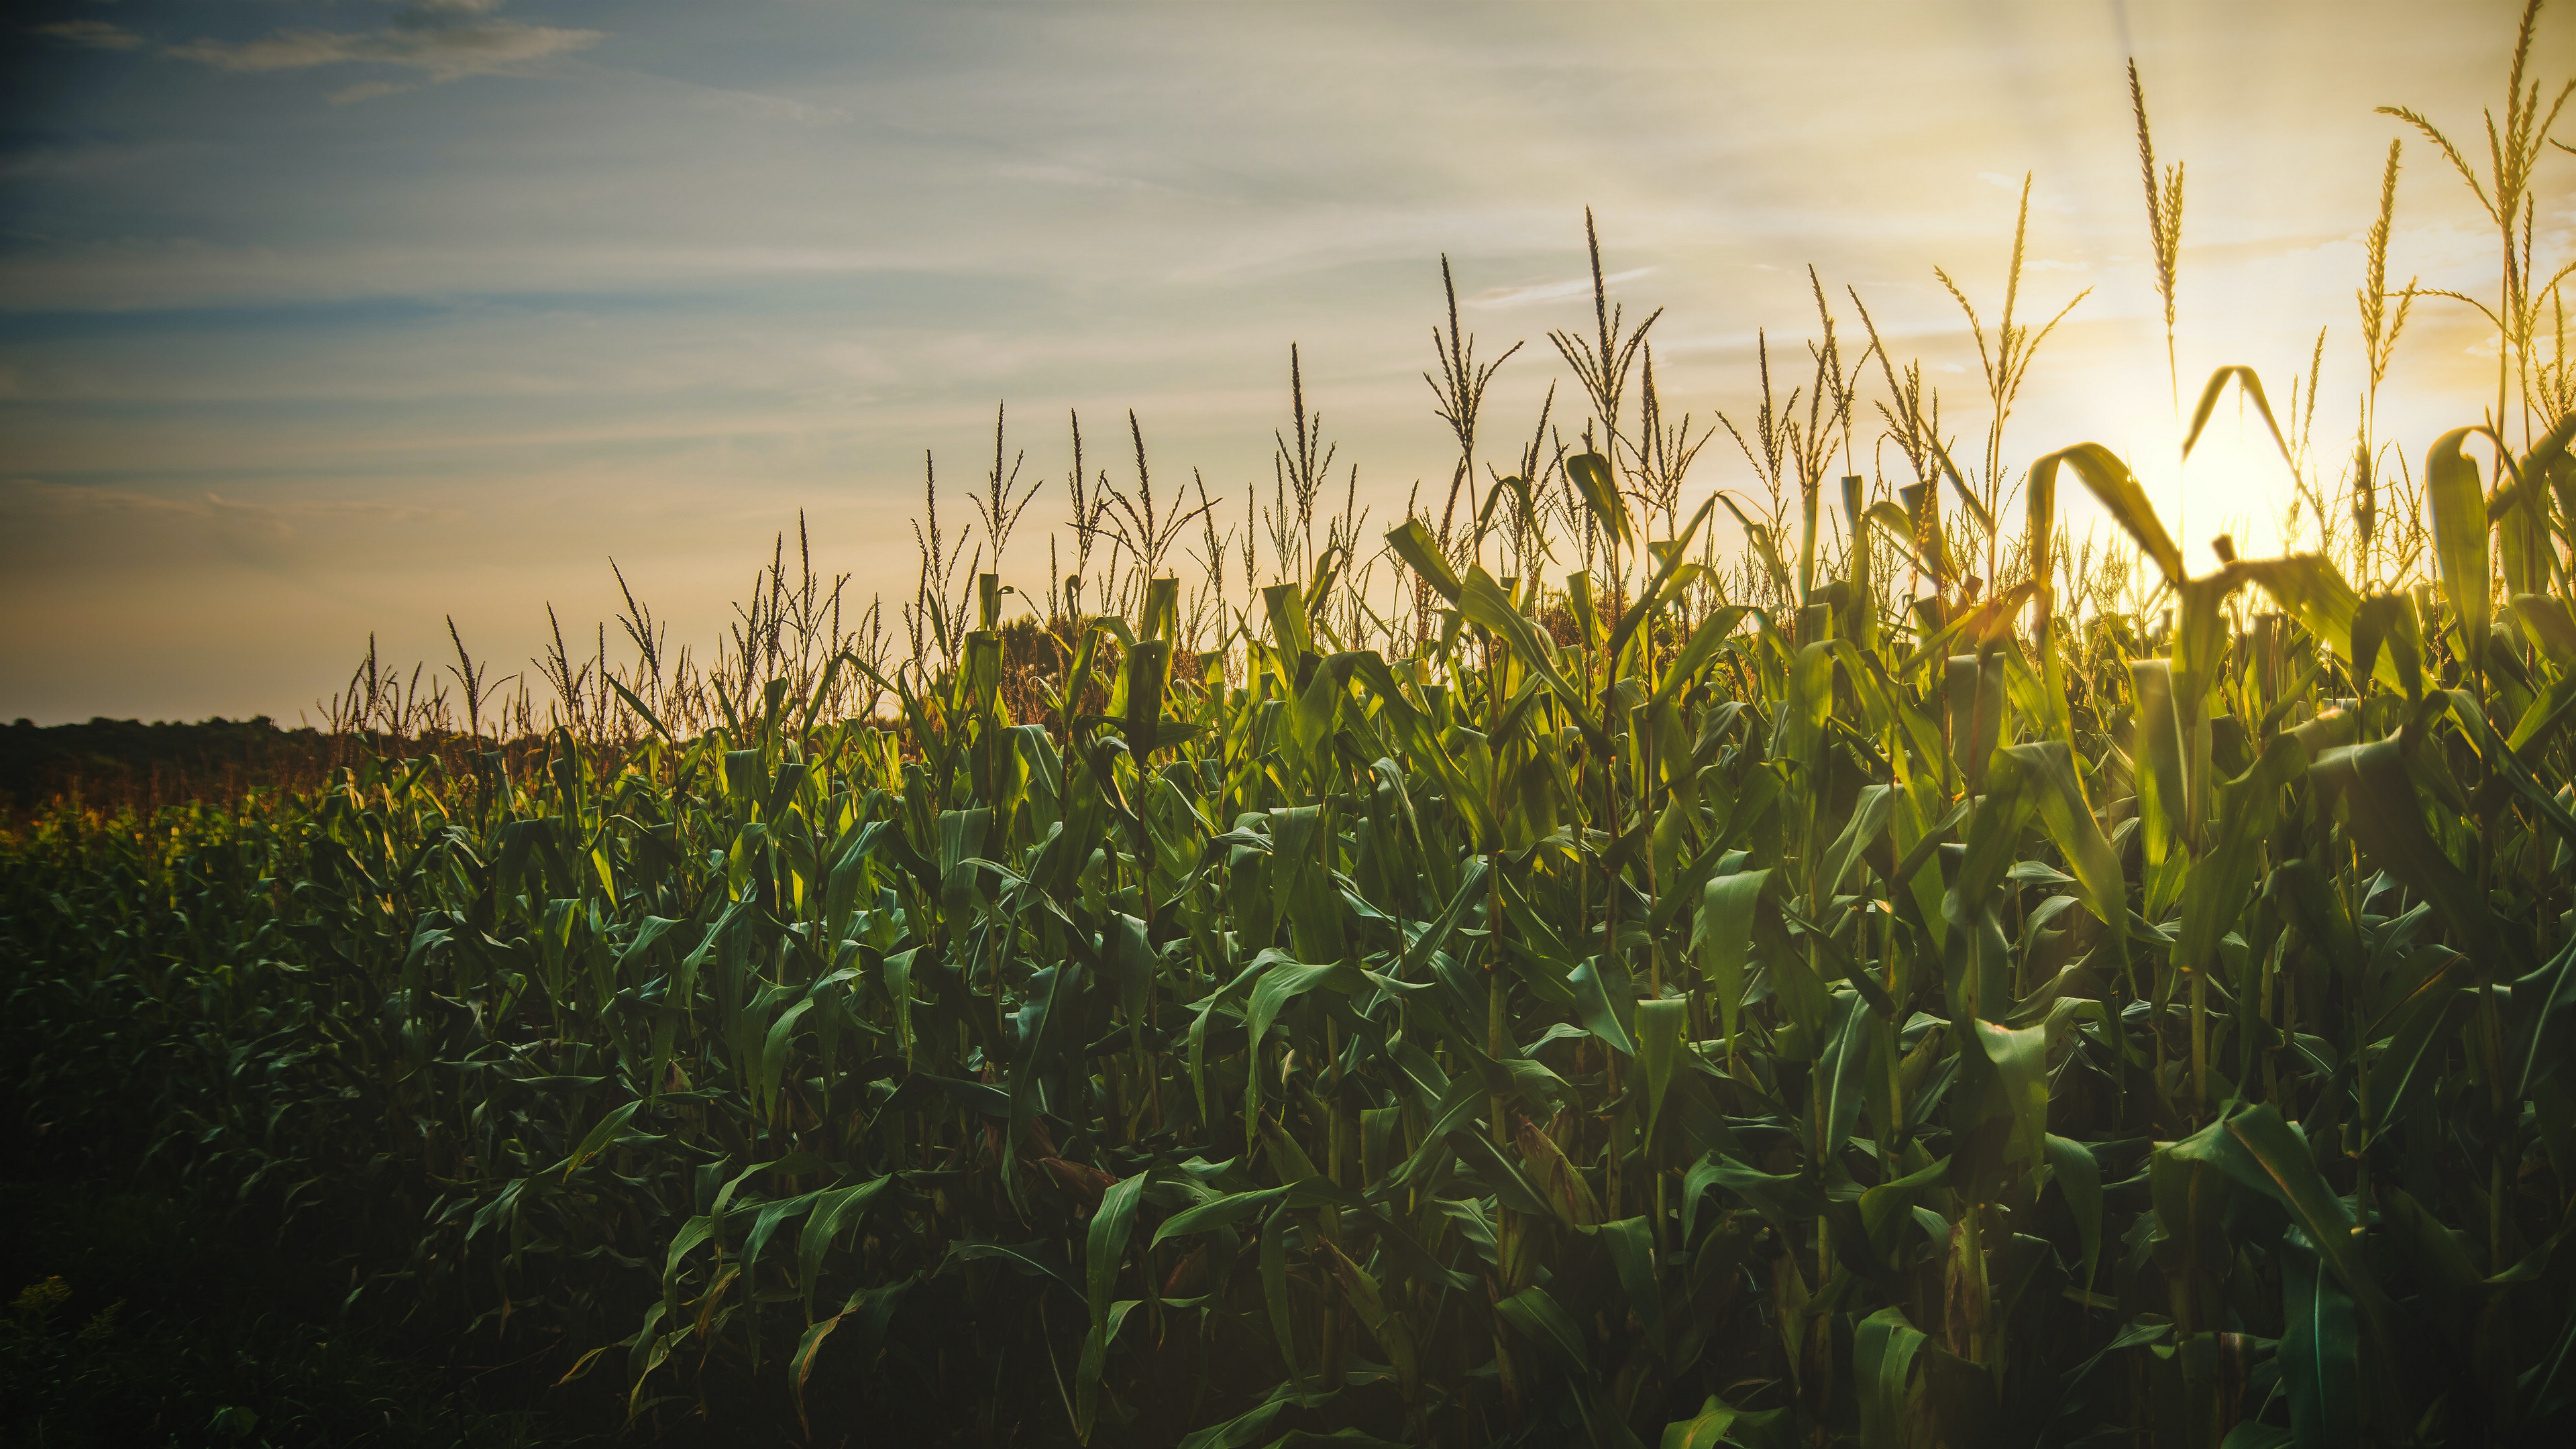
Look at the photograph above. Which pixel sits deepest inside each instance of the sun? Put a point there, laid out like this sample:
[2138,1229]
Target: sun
[2236,483]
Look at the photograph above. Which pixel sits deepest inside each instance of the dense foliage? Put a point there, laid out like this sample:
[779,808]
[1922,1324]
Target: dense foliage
[1651,1004]
[142,1318]
[1767,1030]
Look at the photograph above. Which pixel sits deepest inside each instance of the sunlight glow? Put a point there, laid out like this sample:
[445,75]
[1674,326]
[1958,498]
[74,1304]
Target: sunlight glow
[2238,484]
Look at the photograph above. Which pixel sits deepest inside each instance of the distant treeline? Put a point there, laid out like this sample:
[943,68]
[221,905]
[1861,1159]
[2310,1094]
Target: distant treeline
[113,763]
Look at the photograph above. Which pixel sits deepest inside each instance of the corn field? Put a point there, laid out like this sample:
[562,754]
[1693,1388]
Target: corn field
[1527,976]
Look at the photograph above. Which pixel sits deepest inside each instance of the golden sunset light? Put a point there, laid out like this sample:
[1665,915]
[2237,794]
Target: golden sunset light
[1096,724]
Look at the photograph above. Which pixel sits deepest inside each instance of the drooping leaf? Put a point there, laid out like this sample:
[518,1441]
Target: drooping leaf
[2459,512]
[1725,934]
[2124,499]
[1598,485]
[1884,1346]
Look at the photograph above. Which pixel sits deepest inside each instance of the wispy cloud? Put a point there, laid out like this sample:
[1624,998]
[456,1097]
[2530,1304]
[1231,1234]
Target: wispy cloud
[1555,291]
[90,34]
[443,40]
[28,500]
[2040,200]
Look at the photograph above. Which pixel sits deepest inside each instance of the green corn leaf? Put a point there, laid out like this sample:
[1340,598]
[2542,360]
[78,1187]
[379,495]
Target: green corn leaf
[1038,1258]
[1598,1002]
[1718,1423]
[649,1351]
[1484,603]
[1394,1334]
[1884,1347]
[1725,933]
[1219,1212]
[1710,1428]
[2425,1022]
[1764,545]
[2310,589]
[2039,502]
[1631,1246]
[1273,1267]
[2542,1387]
[1891,520]
[1670,577]
[1798,728]
[1094,1362]
[1106,1252]
[2258,1150]
[2387,642]
[1868,822]
[2543,1002]
[2216,387]
[1540,1320]
[2040,698]
[2125,500]
[2079,1178]
[1960,1395]
[2525,485]
[1587,614]
[1510,1187]
[2015,1082]
[599,1137]
[2507,761]
[2307,898]
[2550,624]
[2045,773]
[2230,872]
[1595,482]
[774,1051]
[1973,691]
[1967,496]
[1784,1199]
[1414,544]
[1662,1038]
[1702,1175]
[2378,795]
[2547,713]
[2202,637]
[1851,1051]
[771,1217]
[695,1231]
[1995,829]
[1281,982]
[1289,634]
[1880,1206]
[833,1213]
[1252,1427]
[2164,807]
[1148,666]
[801,1363]
[2320,1354]
[642,712]
[1923,524]
[2458,506]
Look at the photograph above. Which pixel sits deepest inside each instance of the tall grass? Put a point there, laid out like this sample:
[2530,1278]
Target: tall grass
[1516,978]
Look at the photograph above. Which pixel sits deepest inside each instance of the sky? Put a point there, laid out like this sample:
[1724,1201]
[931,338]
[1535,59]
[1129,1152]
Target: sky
[327,320]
